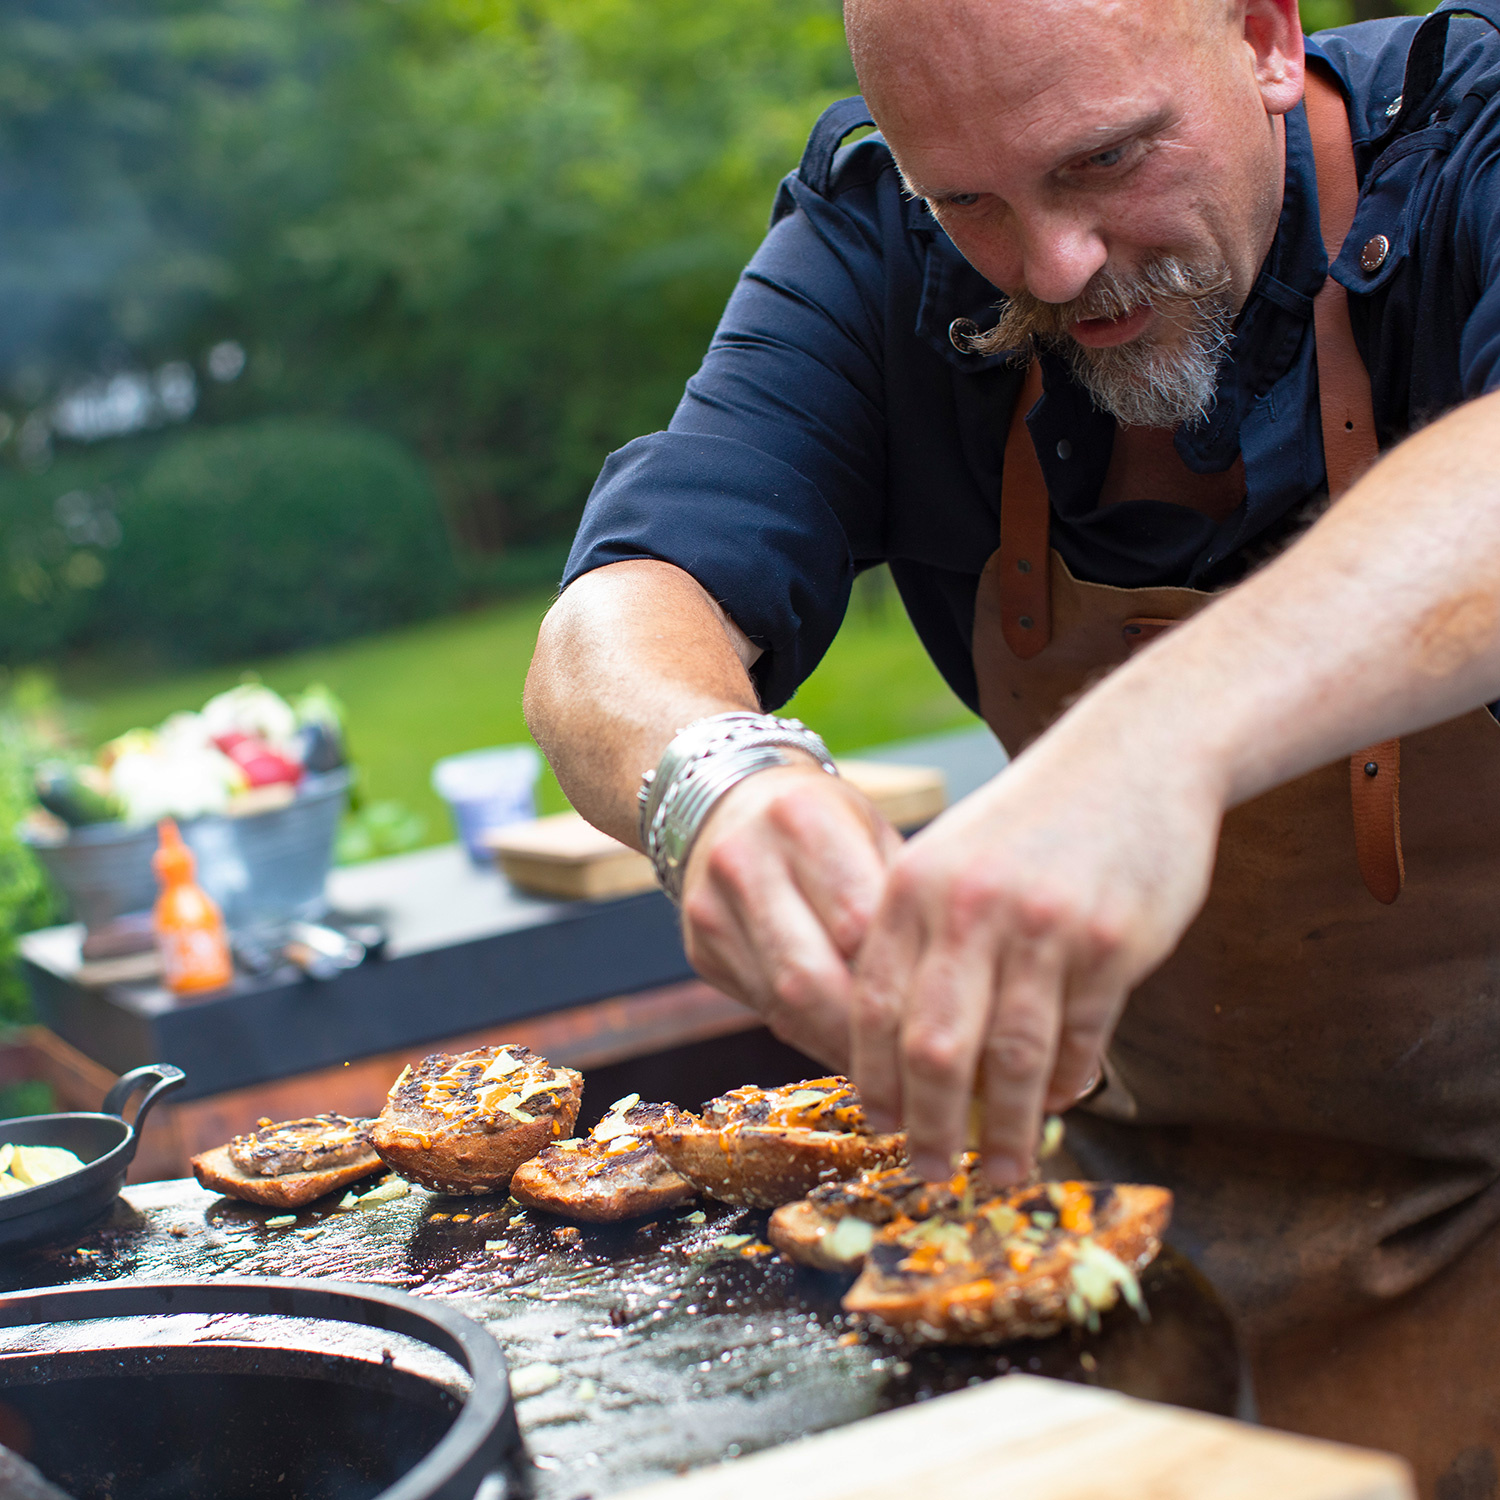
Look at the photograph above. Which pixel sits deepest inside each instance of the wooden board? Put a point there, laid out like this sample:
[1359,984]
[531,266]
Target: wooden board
[1022,1438]
[564,856]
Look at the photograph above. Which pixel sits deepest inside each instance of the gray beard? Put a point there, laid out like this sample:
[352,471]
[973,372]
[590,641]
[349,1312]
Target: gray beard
[1141,384]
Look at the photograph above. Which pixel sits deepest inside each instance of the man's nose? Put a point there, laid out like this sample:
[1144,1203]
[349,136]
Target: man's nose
[1060,256]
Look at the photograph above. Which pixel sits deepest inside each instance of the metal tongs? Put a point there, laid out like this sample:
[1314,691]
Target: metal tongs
[322,952]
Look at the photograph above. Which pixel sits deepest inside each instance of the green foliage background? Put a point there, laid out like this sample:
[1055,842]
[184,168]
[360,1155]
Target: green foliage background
[498,230]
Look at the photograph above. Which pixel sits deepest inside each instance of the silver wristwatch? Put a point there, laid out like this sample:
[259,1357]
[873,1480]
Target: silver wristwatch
[702,762]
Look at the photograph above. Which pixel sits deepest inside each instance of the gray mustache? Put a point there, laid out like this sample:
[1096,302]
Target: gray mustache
[1180,291]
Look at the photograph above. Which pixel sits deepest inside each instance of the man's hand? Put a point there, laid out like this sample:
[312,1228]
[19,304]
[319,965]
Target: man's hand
[778,893]
[1010,933]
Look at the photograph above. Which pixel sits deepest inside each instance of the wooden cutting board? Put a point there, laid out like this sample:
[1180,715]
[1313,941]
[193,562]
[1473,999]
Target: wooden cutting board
[564,856]
[1021,1438]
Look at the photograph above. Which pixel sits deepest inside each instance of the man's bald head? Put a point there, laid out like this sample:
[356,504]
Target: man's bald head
[1010,40]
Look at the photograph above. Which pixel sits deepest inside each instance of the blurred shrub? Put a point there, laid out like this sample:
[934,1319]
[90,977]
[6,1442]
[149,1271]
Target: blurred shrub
[25,900]
[33,1097]
[46,585]
[378,829]
[58,532]
[275,534]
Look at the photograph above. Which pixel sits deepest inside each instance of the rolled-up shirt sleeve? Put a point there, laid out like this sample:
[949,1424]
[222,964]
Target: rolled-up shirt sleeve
[768,486]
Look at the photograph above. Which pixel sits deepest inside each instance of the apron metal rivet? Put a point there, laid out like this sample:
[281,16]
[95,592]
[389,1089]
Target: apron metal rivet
[1372,257]
[1371,769]
[1024,622]
[1023,565]
[1064,449]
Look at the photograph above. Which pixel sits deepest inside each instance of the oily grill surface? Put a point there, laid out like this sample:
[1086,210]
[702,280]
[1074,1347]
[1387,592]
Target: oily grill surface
[636,1351]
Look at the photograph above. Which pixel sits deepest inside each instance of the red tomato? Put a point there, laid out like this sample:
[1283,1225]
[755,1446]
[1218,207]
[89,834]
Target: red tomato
[260,763]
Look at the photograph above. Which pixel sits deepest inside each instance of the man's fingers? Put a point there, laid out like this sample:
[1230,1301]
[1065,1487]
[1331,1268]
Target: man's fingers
[1080,1050]
[748,928]
[1096,992]
[883,978]
[838,851]
[1019,1055]
[946,1016]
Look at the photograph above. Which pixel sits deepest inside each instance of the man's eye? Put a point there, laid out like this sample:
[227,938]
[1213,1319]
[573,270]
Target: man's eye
[1111,158]
[961,200]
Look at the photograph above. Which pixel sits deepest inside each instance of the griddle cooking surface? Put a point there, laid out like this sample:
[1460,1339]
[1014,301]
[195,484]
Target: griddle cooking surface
[636,1351]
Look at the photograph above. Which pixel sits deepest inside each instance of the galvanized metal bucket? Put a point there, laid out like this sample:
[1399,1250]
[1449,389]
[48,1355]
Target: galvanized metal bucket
[265,869]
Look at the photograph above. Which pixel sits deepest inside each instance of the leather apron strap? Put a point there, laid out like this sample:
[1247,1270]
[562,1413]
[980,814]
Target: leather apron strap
[1025,527]
[1349,446]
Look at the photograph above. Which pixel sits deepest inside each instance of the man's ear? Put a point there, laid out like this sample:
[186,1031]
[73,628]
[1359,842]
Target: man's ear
[1273,33]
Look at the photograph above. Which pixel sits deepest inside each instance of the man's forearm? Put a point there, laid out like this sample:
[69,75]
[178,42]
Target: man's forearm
[628,655]
[1383,619]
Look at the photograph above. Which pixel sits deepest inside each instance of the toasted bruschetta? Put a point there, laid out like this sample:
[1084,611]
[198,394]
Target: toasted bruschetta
[760,1148]
[615,1172]
[1021,1264]
[462,1123]
[291,1163]
[835,1225]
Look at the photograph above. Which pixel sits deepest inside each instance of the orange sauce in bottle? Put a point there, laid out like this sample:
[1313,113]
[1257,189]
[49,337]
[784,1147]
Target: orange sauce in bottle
[190,932]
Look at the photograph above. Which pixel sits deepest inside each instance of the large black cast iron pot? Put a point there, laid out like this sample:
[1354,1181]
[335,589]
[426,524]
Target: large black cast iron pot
[237,1421]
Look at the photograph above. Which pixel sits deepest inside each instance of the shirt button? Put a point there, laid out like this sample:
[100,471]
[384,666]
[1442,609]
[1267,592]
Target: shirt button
[1372,257]
[1064,448]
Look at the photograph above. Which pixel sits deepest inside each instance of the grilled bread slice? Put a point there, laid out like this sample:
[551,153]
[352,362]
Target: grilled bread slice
[463,1122]
[288,1164]
[1021,1264]
[835,1225]
[615,1173]
[760,1148]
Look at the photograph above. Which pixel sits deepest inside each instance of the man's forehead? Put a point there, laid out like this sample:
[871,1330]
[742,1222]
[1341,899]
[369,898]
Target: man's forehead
[894,40]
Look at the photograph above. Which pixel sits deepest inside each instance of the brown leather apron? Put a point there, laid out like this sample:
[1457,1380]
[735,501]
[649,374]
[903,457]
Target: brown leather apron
[1315,1072]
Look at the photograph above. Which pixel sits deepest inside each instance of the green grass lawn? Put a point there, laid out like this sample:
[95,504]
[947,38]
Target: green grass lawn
[455,684]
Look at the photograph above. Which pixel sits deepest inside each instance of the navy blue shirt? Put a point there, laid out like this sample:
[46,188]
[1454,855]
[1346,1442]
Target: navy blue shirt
[834,426]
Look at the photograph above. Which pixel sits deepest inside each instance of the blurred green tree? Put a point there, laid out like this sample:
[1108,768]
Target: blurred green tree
[500,230]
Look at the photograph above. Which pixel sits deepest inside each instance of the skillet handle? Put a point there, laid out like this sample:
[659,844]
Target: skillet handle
[167,1078]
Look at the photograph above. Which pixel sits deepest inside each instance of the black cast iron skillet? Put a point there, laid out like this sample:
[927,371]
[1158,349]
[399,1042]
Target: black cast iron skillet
[103,1141]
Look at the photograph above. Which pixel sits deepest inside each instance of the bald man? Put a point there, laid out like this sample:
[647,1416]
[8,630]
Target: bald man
[1060,345]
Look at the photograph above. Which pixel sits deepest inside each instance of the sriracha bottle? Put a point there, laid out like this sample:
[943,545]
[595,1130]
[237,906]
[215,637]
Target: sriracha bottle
[190,933]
